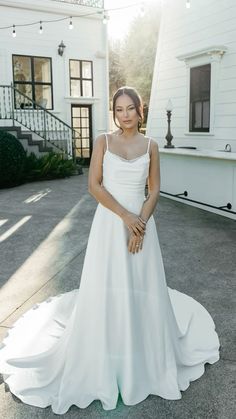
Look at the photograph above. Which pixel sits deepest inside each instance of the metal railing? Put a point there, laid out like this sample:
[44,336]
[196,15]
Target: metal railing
[89,3]
[20,108]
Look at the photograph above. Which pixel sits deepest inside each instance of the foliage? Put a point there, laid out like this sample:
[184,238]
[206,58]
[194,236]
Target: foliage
[116,68]
[12,160]
[17,166]
[49,166]
[132,62]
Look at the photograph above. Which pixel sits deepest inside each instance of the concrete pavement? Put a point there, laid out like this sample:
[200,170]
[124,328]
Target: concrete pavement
[44,228]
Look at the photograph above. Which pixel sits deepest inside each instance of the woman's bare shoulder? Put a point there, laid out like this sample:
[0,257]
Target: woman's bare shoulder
[153,145]
[100,140]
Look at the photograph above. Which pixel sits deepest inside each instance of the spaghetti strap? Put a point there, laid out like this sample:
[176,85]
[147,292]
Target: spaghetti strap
[106,140]
[148,145]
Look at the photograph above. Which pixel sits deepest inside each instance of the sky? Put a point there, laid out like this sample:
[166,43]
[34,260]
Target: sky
[119,20]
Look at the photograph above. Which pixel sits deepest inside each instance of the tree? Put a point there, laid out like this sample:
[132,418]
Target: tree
[139,50]
[132,61]
[116,69]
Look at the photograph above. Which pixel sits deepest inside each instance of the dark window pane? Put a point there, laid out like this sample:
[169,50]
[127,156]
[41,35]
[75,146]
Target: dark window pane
[206,114]
[74,68]
[85,112]
[85,132]
[77,133]
[76,111]
[76,122]
[78,143]
[85,122]
[87,88]
[75,88]
[198,115]
[42,70]
[200,82]
[43,95]
[86,153]
[20,100]
[22,68]
[86,70]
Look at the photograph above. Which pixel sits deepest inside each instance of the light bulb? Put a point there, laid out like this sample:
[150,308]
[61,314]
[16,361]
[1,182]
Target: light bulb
[187,4]
[105,18]
[71,24]
[40,28]
[14,32]
[142,10]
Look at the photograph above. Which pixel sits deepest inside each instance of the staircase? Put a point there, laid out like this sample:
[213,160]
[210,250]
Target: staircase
[26,138]
[38,129]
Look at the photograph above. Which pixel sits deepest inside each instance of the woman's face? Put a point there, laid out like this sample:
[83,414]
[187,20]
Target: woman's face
[125,112]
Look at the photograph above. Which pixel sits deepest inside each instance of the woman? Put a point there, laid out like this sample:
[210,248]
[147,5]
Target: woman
[123,331]
[127,141]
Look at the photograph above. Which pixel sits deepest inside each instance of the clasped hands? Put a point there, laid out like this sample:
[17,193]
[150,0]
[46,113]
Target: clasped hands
[136,226]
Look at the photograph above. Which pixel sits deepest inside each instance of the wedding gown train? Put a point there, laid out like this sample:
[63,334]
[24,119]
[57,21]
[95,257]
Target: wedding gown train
[123,330]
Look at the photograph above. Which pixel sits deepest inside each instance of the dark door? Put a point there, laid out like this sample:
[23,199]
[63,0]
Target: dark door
[82,124]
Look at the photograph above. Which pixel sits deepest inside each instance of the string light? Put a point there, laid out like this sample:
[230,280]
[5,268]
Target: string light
[14,31]
[187,4]
[71,24]
[105,18]
[142,10]
[40,28]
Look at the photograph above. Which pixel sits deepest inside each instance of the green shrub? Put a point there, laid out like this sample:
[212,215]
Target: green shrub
[12,160]
[49,166]
[17,166]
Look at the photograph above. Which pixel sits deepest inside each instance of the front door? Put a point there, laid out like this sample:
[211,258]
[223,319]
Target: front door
[82,124]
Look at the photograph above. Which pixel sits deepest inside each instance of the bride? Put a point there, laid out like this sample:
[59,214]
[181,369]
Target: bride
[123,331]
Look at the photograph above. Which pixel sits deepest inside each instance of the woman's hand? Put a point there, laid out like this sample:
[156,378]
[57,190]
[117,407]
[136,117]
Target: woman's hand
[135,224]
[135,244]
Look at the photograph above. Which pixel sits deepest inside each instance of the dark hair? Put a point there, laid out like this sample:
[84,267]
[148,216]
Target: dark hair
[133,94]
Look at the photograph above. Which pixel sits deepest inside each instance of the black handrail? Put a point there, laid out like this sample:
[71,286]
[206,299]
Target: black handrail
[37,119]
[185,193]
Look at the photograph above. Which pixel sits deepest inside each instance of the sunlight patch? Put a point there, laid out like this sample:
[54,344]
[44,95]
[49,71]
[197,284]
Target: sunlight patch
[3,222]
[15,227]
[36,197]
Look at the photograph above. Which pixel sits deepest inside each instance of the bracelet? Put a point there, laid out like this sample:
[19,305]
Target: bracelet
[145,222]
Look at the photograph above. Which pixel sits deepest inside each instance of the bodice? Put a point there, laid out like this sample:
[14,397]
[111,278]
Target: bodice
[126,179]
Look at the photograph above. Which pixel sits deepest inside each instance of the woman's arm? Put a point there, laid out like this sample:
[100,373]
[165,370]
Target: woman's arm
[135,243]
[153,183]
[98,191]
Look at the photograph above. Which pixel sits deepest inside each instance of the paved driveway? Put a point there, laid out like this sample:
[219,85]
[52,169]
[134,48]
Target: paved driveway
[44,228]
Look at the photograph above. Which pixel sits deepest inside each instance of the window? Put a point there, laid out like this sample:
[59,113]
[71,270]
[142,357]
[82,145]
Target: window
[32,76]
[81,78]
[199,115]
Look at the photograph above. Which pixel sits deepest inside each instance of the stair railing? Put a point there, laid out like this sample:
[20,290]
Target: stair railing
[20,108]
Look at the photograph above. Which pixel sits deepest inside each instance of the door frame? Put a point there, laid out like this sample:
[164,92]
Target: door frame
[89,107]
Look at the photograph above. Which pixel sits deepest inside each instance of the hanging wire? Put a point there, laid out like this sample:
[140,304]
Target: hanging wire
[104,12]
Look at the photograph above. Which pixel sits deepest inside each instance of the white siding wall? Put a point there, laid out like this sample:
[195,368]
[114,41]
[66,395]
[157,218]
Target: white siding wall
[206,23]
[83,42]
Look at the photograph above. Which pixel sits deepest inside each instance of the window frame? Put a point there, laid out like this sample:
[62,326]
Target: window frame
[81,78]
[209,55]
[193,103]
[33,83]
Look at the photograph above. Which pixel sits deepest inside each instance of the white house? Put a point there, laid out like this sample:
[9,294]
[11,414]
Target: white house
[195,79]
[54,54]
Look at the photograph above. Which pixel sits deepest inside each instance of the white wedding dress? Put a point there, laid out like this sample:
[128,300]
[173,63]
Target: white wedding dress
[123,330]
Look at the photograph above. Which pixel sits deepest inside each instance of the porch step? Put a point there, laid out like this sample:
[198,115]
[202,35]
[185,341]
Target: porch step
[29,143]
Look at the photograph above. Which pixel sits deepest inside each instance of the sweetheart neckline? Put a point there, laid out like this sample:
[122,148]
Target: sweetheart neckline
[126,160]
